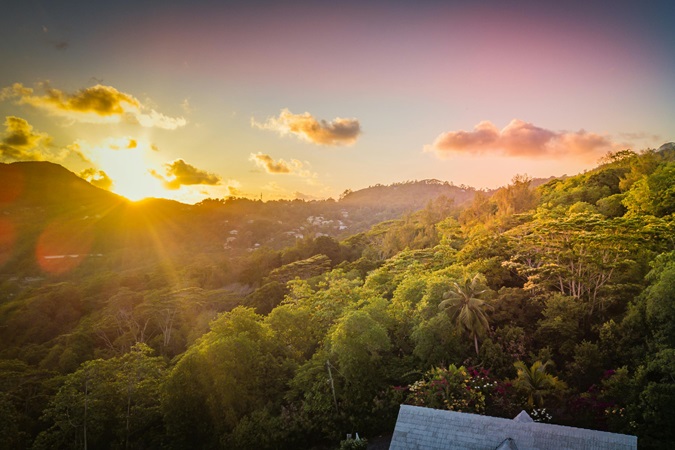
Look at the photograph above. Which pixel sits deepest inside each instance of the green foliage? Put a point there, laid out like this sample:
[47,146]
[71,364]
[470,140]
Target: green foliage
[233,370]
[517,197]
[108,403]
[357,342]
[653,194]
[557,272]
[516,306]
[267,297]
[561,325]
[437,341]
[24,394]
[353,444]
[611,206]
[536,382]
[582,255]
[587,366]
[262,430]
[304,269]
[656,404]
[659,304]
[507,345]
[464,306]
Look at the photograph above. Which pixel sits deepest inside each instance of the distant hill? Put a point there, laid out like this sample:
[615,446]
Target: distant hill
[667,148]
[411,195]
[415,195]
[36,197]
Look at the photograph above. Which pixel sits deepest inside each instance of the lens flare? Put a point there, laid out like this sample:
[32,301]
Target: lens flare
[63,245]
[12,184]
[7,240]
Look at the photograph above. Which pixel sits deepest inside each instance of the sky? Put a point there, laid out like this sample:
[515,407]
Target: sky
[283,100]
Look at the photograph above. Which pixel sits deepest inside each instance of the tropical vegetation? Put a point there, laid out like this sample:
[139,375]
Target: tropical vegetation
[556,299]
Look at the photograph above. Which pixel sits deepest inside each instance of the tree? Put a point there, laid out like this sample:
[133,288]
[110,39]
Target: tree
[584,255]
[168,311]
[517,197]
[659,305]
[238,367]
[653,194]
[110,403]
[437,341]
[358,345]
[536,382]
[560,327]
[466,308]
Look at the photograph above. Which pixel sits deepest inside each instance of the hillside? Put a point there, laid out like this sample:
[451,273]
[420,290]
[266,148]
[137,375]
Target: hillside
[411,195]
[555,299]
[39,196]
[48,185]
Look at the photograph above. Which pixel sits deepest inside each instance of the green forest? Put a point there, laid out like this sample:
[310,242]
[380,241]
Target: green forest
[243,324]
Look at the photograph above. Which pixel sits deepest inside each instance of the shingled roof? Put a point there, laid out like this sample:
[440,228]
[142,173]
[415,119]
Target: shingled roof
[420,428]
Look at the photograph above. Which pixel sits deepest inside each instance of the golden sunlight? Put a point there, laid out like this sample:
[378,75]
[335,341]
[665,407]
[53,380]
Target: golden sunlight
[130,171]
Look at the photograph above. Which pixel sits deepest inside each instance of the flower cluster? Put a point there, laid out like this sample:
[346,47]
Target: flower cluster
[541,415]
[480,380]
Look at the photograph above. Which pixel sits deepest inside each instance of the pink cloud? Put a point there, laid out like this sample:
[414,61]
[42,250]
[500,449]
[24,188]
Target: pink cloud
[521,138]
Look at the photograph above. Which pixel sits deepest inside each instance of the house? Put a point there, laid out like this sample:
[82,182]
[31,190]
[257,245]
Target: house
[425,428]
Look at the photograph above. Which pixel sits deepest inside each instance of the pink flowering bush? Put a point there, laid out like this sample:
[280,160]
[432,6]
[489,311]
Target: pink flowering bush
[456,389]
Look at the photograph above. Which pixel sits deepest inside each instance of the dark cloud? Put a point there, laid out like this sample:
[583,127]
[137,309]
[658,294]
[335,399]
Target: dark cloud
[21,142]
[179,173]
[337,132]
[59,44]
[521,138]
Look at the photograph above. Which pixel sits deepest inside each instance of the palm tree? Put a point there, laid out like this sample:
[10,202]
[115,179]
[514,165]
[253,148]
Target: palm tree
[536,381]
[463,305]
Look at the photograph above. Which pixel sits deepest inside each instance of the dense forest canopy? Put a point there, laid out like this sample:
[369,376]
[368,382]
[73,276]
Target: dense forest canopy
[236,323]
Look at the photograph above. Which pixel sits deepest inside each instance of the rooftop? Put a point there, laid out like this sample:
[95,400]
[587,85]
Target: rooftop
[425,428]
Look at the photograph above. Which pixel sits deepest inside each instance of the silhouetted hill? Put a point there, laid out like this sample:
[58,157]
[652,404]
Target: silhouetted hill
[47,185]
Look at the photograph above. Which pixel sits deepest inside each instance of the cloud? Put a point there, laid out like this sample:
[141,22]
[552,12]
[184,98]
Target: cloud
[521,138]
[96,104]
[179,173]
[639,136]
[59,44]
[122,143]
[266,162]
[233,188]
[21,142]
[337,132]
[97,178]
[280,166]
[187,107]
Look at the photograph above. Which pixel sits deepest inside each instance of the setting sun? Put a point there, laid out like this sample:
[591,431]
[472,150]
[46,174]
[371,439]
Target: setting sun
[126,163]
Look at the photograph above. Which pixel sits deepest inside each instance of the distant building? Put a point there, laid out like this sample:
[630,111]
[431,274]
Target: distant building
[432,429]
